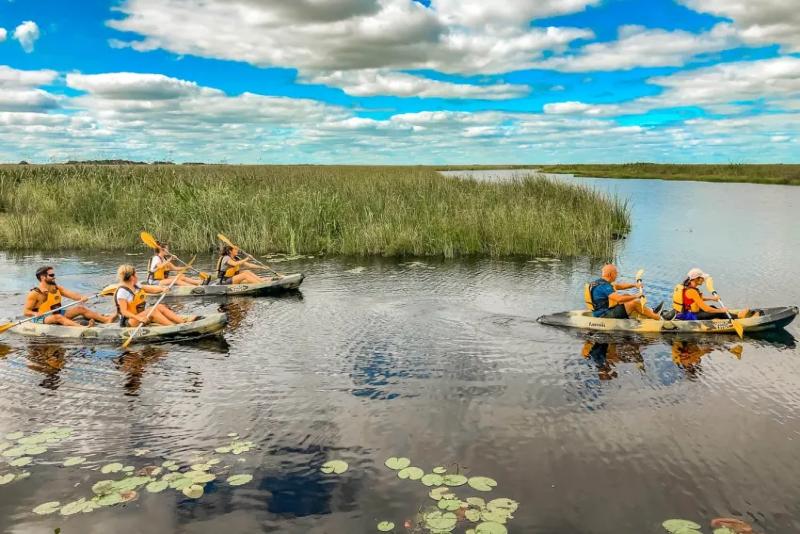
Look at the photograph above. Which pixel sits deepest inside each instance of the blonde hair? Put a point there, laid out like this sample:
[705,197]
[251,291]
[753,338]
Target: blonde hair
[125,272]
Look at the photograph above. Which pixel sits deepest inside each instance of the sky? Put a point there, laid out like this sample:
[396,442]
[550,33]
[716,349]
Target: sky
[401,81]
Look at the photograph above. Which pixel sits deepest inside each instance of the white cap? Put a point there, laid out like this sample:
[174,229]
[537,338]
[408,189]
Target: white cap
[696,273]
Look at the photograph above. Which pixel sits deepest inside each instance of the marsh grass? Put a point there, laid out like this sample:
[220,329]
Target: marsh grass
[390,211]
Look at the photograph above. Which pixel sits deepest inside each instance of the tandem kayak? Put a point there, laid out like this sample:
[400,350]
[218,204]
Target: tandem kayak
[769,319]
[278,285]
[113,333]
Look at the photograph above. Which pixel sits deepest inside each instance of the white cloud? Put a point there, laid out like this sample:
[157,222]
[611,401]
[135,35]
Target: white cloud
[10,77]
[27,34]
[375,82]
[132,86]
[761,22]
[580,108]
[638,46]
[3,34]
[19,90]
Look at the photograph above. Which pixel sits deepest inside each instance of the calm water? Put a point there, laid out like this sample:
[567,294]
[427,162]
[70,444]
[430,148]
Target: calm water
[442,362]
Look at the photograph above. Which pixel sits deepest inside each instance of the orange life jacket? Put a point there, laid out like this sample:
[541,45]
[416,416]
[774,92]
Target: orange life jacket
[52,300]
[230,272]
[160,273]
[136,305]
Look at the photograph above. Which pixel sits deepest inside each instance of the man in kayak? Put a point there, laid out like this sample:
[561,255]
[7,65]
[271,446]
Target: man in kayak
[603,298]
[229,268]
[690,304]
[130,300]
[47,296]
[161,266]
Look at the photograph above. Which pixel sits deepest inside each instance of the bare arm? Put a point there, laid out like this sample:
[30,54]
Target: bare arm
[153,290]
[619,298]
[31,303]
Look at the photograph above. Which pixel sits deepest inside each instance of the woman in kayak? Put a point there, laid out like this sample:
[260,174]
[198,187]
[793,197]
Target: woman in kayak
[229,268]
[130,300]
[690,304]
[161,266]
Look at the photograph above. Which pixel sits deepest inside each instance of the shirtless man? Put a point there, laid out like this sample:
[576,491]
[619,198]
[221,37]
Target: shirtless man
[47,296]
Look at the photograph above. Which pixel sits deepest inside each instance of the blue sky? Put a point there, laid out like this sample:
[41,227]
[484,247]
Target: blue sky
[398,81]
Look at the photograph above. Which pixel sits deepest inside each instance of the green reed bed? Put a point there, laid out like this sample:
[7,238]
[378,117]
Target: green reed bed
[734,172]
[388,211]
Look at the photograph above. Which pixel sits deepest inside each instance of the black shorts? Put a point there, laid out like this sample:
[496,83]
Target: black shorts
[616,312]
[705,316]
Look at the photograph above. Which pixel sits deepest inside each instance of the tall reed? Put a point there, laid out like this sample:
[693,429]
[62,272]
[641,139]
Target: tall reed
[390,211]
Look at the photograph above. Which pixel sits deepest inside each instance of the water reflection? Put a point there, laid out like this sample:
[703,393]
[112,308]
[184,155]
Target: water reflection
[48,360]
[134,365]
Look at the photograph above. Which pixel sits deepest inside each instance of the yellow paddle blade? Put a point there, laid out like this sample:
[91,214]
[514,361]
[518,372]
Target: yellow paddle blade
[149,240]
[738,327]
[710,284]
[225,240]
[5,327]
[109,290]
[737,351]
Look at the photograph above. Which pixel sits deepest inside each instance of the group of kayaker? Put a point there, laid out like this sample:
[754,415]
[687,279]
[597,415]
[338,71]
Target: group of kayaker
[130,295]
[604,299]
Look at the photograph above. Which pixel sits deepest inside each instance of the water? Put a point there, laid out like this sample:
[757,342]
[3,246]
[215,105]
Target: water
[442,362]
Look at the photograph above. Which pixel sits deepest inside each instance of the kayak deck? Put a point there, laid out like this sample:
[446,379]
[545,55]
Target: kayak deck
[770,319]
[277,285]
[113,333]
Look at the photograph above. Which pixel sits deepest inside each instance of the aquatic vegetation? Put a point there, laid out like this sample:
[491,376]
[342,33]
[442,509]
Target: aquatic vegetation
[302,210]
[239,480]
[385,526]
[47,508]
[482,483]
[21,449]
[73,460]
[337,467]
[397,463]
[720,525]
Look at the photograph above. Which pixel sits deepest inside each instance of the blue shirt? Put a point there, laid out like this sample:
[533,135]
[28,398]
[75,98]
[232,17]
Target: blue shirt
[600,294]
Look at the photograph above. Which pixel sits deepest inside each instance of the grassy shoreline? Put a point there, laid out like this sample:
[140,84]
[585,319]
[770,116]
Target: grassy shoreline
[777,174]
[362,211]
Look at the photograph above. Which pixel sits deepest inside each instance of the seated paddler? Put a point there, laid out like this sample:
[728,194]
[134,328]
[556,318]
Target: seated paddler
[604,299]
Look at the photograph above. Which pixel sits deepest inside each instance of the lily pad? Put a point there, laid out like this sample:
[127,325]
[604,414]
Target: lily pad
[482,483]
[5,445]
[128,469]
[680,526]
[508,504]
[149,471]
[90,506]
[445,521]
[223,450]
[213,461]
[432,479]
[22,476]
[397,463]
[385,526]
[157,486]
[33,450]
[723,530]
[169,463]
[439,470]
[35,439]
[128,496]
[115,467]
[103,487]
[438,494]
[194,491]
[14,452]
[450,505]
[200,477]
[455,480]
[169,477]
[200,467]
[73,507]
[496,515]
[411,473]
[140,452]
[239,480]
[473,515]
[490,528]
[14,436]
[181,483]
[74,460]
[21,461]
[109,500]
[476,501]
[47,508]
[337,467]
[7,478]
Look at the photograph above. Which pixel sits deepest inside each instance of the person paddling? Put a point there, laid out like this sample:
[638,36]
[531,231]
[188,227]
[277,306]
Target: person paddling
[229,268]
[130,298]
[690,304]
[603,298]
[160,268]
[47,296]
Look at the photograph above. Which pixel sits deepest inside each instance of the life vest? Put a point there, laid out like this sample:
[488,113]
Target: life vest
[230,272]
[160,273]
[51,301]
[679,300]
[136,305]
[588,297]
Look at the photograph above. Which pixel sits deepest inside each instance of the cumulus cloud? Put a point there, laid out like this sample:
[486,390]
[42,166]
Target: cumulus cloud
[19,90]
[375,82]
[637,46]
[760,23]
[27,34]
[3,34]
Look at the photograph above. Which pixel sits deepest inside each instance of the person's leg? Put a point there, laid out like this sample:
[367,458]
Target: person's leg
[83,311]
[635,306]
[155,317]
[59,319]
[174,317]
[249,277]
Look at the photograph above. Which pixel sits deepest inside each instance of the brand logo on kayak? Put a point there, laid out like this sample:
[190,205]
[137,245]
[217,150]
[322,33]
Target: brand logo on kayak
[597,325]
[238,289]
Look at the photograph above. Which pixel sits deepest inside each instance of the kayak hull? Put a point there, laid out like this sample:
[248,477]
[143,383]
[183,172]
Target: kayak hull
[113,333]
[278,285]
[771,319]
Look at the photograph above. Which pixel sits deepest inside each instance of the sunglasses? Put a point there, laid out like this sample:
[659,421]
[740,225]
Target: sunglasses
[50,275]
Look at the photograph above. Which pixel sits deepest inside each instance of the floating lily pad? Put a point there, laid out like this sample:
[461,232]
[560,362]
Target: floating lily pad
[337,467]
[181,483]
[90,506]
[199,477]
[507,504]
[723,530]
[14,453]
[476,501]
[7,478]
[239,480]
[445,521]
[73,507]
[47,508]
[432,479]
[14,436]
[172,468]
[128,469]
[439,470]
[5,445]
[109,500]
[490,528]
[34,450]
[223,450]
[140,452]
[103,487]
[455,480]
[397,463]
[169,477]
[473,515]
[169,463]
[680,526]
[213,461]
[385,526]
[194,491]
[35,439]
[411,473]
[450,505]
[74,460]
[116,467]
[21,461]
[482,483]
[200,467]
[496,515]
[149,471]
[128,496]
[157,486]
[439,493]
[22,476]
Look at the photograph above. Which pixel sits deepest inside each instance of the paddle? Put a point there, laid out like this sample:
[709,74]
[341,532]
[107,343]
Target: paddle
[151,242]
[103,293]
[639,276]
[153,308]
[267,267]
[736,324]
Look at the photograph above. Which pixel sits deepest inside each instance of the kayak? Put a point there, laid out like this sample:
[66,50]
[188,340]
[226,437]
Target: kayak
[769,319]
[113,333]
[278,285]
